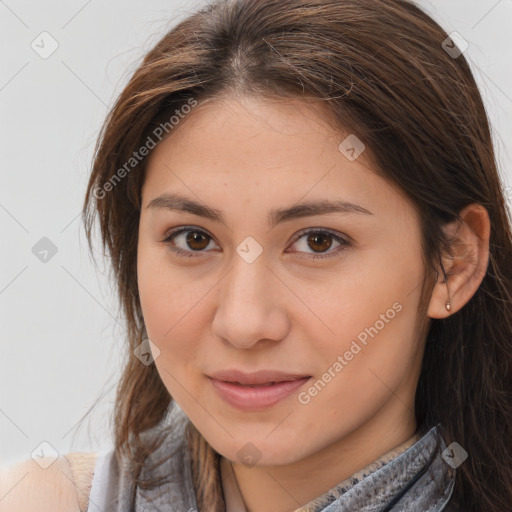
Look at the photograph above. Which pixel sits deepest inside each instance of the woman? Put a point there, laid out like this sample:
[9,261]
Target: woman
[313,252]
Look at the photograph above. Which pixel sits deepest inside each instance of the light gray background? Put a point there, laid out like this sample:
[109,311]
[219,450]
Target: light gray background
[61,346]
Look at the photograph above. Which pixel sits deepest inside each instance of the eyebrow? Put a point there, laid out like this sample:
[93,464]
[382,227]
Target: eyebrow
[178,203]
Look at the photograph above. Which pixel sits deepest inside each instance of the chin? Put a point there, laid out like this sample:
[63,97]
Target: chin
[260,453]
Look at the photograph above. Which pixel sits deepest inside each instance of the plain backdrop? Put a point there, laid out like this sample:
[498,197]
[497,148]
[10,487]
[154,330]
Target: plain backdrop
[61,339]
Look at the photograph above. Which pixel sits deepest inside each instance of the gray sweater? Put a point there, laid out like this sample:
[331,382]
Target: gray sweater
[418,479]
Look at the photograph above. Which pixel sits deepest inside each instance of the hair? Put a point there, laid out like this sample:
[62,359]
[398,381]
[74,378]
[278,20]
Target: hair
[381,71]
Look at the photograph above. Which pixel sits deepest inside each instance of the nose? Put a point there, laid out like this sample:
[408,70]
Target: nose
[250,310]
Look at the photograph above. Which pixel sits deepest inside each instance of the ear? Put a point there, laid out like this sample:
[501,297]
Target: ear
[466,265]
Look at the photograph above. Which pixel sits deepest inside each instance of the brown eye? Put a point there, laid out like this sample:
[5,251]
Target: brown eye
[320,241]
[197,240]
[192,242]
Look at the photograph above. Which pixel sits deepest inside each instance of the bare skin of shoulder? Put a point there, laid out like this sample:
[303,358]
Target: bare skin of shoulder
[63,484]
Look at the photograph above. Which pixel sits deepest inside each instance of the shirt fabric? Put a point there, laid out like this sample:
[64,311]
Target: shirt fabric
[100,482]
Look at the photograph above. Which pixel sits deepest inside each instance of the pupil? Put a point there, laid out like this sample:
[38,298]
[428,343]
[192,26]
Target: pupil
[193,238]
[314,237]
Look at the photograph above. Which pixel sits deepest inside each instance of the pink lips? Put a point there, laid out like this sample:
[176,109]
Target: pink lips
[249,391]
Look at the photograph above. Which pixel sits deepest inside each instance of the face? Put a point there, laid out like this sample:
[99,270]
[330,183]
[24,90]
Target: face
[251,279]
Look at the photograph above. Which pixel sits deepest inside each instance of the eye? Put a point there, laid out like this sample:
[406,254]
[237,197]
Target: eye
[195,240]
[320,240]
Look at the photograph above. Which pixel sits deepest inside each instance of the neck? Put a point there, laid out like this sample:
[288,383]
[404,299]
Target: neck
[289,487]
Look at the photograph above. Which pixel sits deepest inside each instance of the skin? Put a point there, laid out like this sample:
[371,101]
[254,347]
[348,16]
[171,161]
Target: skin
[285,310]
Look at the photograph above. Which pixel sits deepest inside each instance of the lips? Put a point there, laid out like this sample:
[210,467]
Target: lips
[255,391]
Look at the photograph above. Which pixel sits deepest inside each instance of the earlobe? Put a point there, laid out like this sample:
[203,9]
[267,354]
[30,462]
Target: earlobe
[466,265]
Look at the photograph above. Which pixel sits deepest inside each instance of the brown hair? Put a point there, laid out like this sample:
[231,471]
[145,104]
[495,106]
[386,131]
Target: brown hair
[381,70]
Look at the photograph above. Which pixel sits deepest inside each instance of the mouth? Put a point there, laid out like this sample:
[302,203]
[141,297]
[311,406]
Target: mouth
[259,378]
[256,385]
[244,393]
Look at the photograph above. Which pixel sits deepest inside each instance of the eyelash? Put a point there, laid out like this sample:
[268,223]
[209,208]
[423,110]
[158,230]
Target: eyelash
[194,254]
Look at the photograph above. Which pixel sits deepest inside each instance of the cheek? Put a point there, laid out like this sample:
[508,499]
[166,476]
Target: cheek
[355,378]
[376,297]
[173,311]
[165,294]
[370,344]
[172,324]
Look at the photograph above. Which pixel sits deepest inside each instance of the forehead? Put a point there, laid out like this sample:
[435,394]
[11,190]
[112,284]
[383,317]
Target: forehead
[272,150]
[244,124]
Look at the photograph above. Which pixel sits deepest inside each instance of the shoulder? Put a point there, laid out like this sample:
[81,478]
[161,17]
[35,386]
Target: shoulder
[55,485]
